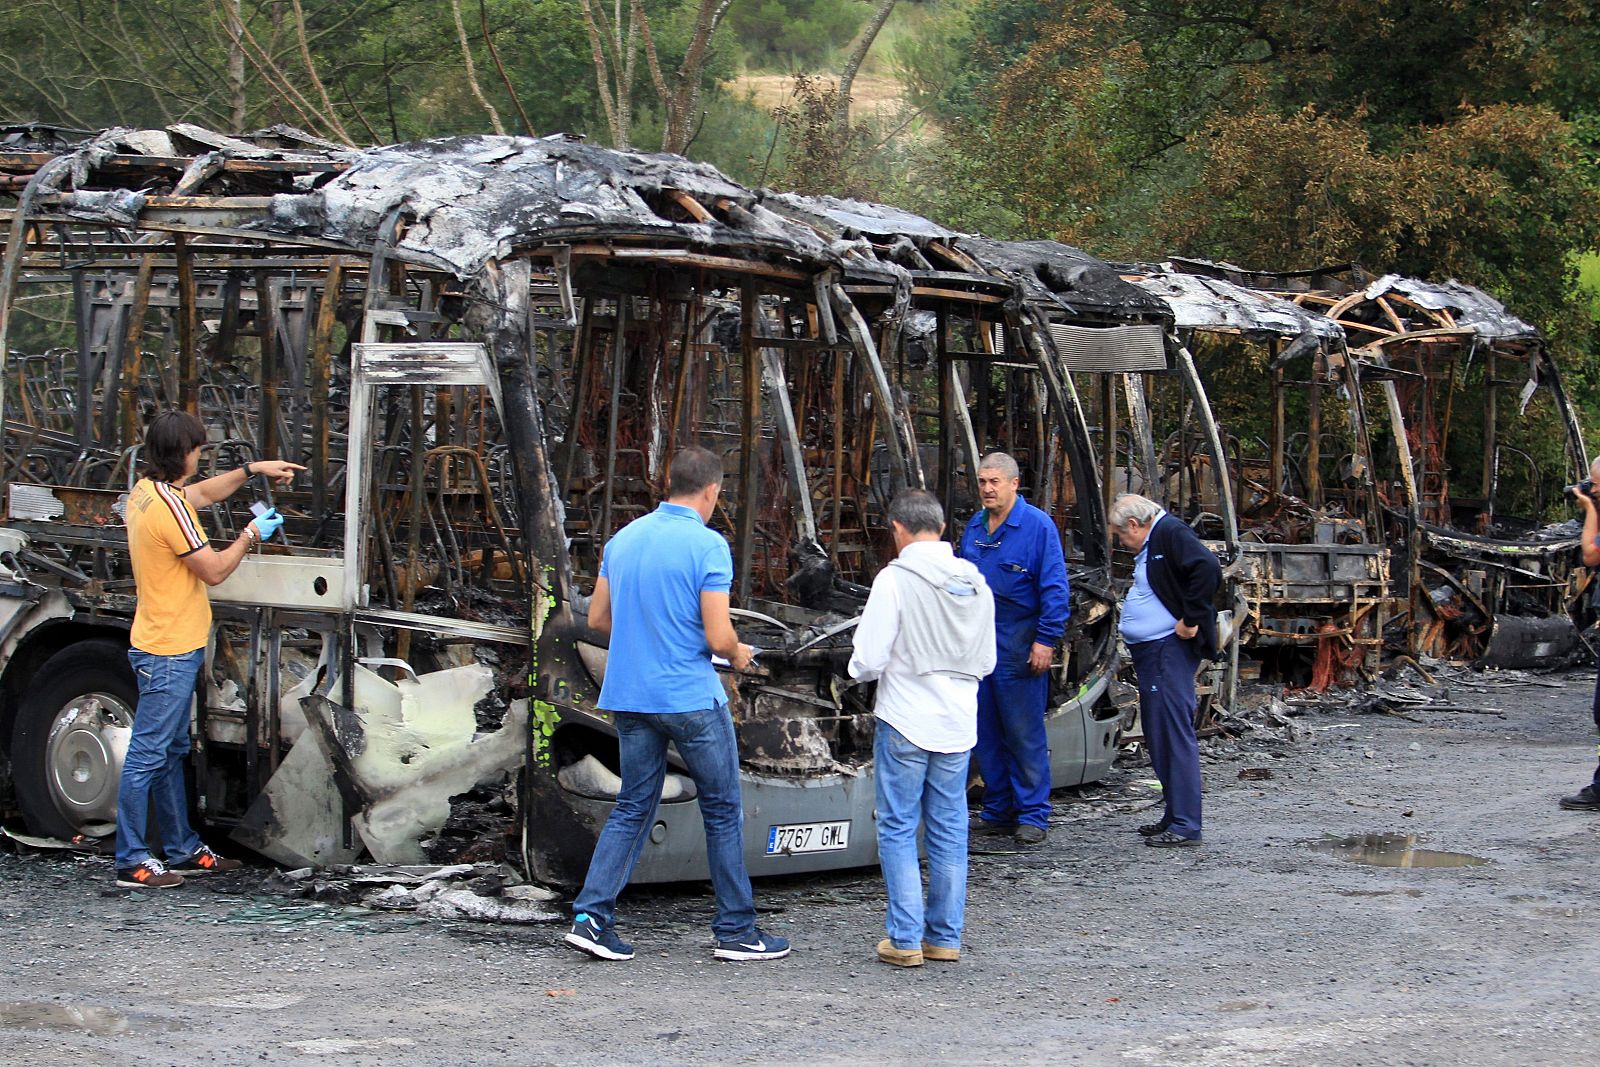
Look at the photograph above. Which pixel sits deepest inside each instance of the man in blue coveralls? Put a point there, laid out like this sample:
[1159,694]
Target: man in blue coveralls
[1018,549]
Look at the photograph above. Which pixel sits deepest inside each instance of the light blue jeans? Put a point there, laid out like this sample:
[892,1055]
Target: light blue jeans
[710,751]
[915,785]
[152,773]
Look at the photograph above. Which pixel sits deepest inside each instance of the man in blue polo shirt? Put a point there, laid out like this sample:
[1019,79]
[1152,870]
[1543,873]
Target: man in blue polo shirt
[662,596]
[1018,549]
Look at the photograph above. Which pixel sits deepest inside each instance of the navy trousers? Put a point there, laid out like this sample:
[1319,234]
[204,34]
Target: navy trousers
[1166,670]
[1013,752]
[1595,784]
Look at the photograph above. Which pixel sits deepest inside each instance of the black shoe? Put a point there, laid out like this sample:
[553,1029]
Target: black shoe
[1169,839]
[1151,829]
[1585,799]
[977,824]
[1028,834]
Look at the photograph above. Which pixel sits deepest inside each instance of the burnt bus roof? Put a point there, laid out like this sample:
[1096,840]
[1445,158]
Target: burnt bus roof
[1066,279]
[466,200]
[1470,307]
[882,243]
[469,200]
[1201,302]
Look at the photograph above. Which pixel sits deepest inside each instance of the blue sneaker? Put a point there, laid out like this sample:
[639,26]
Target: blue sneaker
[587,936]
[758,946]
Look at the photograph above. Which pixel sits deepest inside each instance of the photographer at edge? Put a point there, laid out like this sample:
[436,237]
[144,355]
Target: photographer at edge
[1588,798]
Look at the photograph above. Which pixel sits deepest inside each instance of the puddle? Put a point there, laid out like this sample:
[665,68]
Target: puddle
[29,1015]
[1391,850]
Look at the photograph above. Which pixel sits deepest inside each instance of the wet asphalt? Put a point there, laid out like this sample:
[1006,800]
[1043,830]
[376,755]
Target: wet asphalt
[1256,949]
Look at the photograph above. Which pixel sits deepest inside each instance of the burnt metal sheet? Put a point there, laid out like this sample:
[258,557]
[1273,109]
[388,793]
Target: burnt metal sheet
[1067,279]
[1469,306]
[66,503]
[466,200]
[1336,279]
[851,217]
[473,199]
[1202,303]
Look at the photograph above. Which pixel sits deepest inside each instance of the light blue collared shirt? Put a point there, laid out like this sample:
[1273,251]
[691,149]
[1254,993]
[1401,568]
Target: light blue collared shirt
[1144,617]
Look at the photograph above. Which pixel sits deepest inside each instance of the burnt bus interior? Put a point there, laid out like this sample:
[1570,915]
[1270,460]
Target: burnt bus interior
[1312,579]
[1125,368]
[1471,438]
[973,375]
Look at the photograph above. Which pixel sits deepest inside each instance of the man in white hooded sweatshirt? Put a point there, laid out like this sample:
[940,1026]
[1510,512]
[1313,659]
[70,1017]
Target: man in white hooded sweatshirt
[927,637]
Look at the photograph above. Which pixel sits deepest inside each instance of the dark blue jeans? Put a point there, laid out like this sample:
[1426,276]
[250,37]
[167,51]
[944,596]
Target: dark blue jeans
[152,772]
[1166,670]
[706,741]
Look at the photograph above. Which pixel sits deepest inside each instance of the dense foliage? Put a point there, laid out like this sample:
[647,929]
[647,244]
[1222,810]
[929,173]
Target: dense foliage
[1440,138]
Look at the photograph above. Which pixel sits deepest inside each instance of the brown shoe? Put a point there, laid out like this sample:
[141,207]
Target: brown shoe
[206,862]
[940,953]
[899,957]
[151,874]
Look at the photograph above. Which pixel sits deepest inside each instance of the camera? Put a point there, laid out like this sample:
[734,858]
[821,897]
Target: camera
[1583,488]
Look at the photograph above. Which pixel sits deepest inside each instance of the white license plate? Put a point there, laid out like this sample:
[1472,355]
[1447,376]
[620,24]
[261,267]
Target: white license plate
[808,837]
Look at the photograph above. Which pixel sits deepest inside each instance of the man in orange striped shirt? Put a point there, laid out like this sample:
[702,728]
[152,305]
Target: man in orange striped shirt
[173,562]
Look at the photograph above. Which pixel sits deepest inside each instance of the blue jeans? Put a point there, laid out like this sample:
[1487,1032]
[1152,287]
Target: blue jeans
[1166,669]
[706,741]
[914,784]
[152,772]
[1013,750]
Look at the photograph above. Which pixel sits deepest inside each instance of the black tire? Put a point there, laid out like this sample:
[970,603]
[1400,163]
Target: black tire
[89,667]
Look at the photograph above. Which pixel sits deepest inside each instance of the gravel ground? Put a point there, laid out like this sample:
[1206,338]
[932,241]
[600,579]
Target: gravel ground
[1253,950]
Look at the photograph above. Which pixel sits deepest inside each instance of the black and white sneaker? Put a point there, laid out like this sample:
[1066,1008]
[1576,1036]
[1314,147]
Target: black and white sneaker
[587,936]
[758,946]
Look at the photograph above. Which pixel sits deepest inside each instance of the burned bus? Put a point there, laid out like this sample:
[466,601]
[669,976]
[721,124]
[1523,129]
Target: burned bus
[1312,582]
[1471,439]
[486,351]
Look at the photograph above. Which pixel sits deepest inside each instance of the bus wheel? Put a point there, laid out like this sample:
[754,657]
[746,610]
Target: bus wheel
[70,738]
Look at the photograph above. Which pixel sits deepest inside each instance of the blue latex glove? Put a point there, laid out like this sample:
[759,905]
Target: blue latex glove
[267,523]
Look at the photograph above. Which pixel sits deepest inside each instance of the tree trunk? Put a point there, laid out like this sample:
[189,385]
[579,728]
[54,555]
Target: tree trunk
[472,69]
[685,98]
[858,55]
[236,83]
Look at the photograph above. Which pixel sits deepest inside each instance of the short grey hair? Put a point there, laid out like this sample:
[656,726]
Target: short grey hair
[918,511]
[1131,507]
[1594,463]
[1000,461]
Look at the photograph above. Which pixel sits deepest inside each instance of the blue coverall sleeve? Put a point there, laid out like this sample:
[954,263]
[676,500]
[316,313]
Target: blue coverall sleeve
[1055,601]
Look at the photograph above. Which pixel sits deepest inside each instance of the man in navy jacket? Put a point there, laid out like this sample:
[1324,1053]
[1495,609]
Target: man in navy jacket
[1169,625]
[1018,550]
